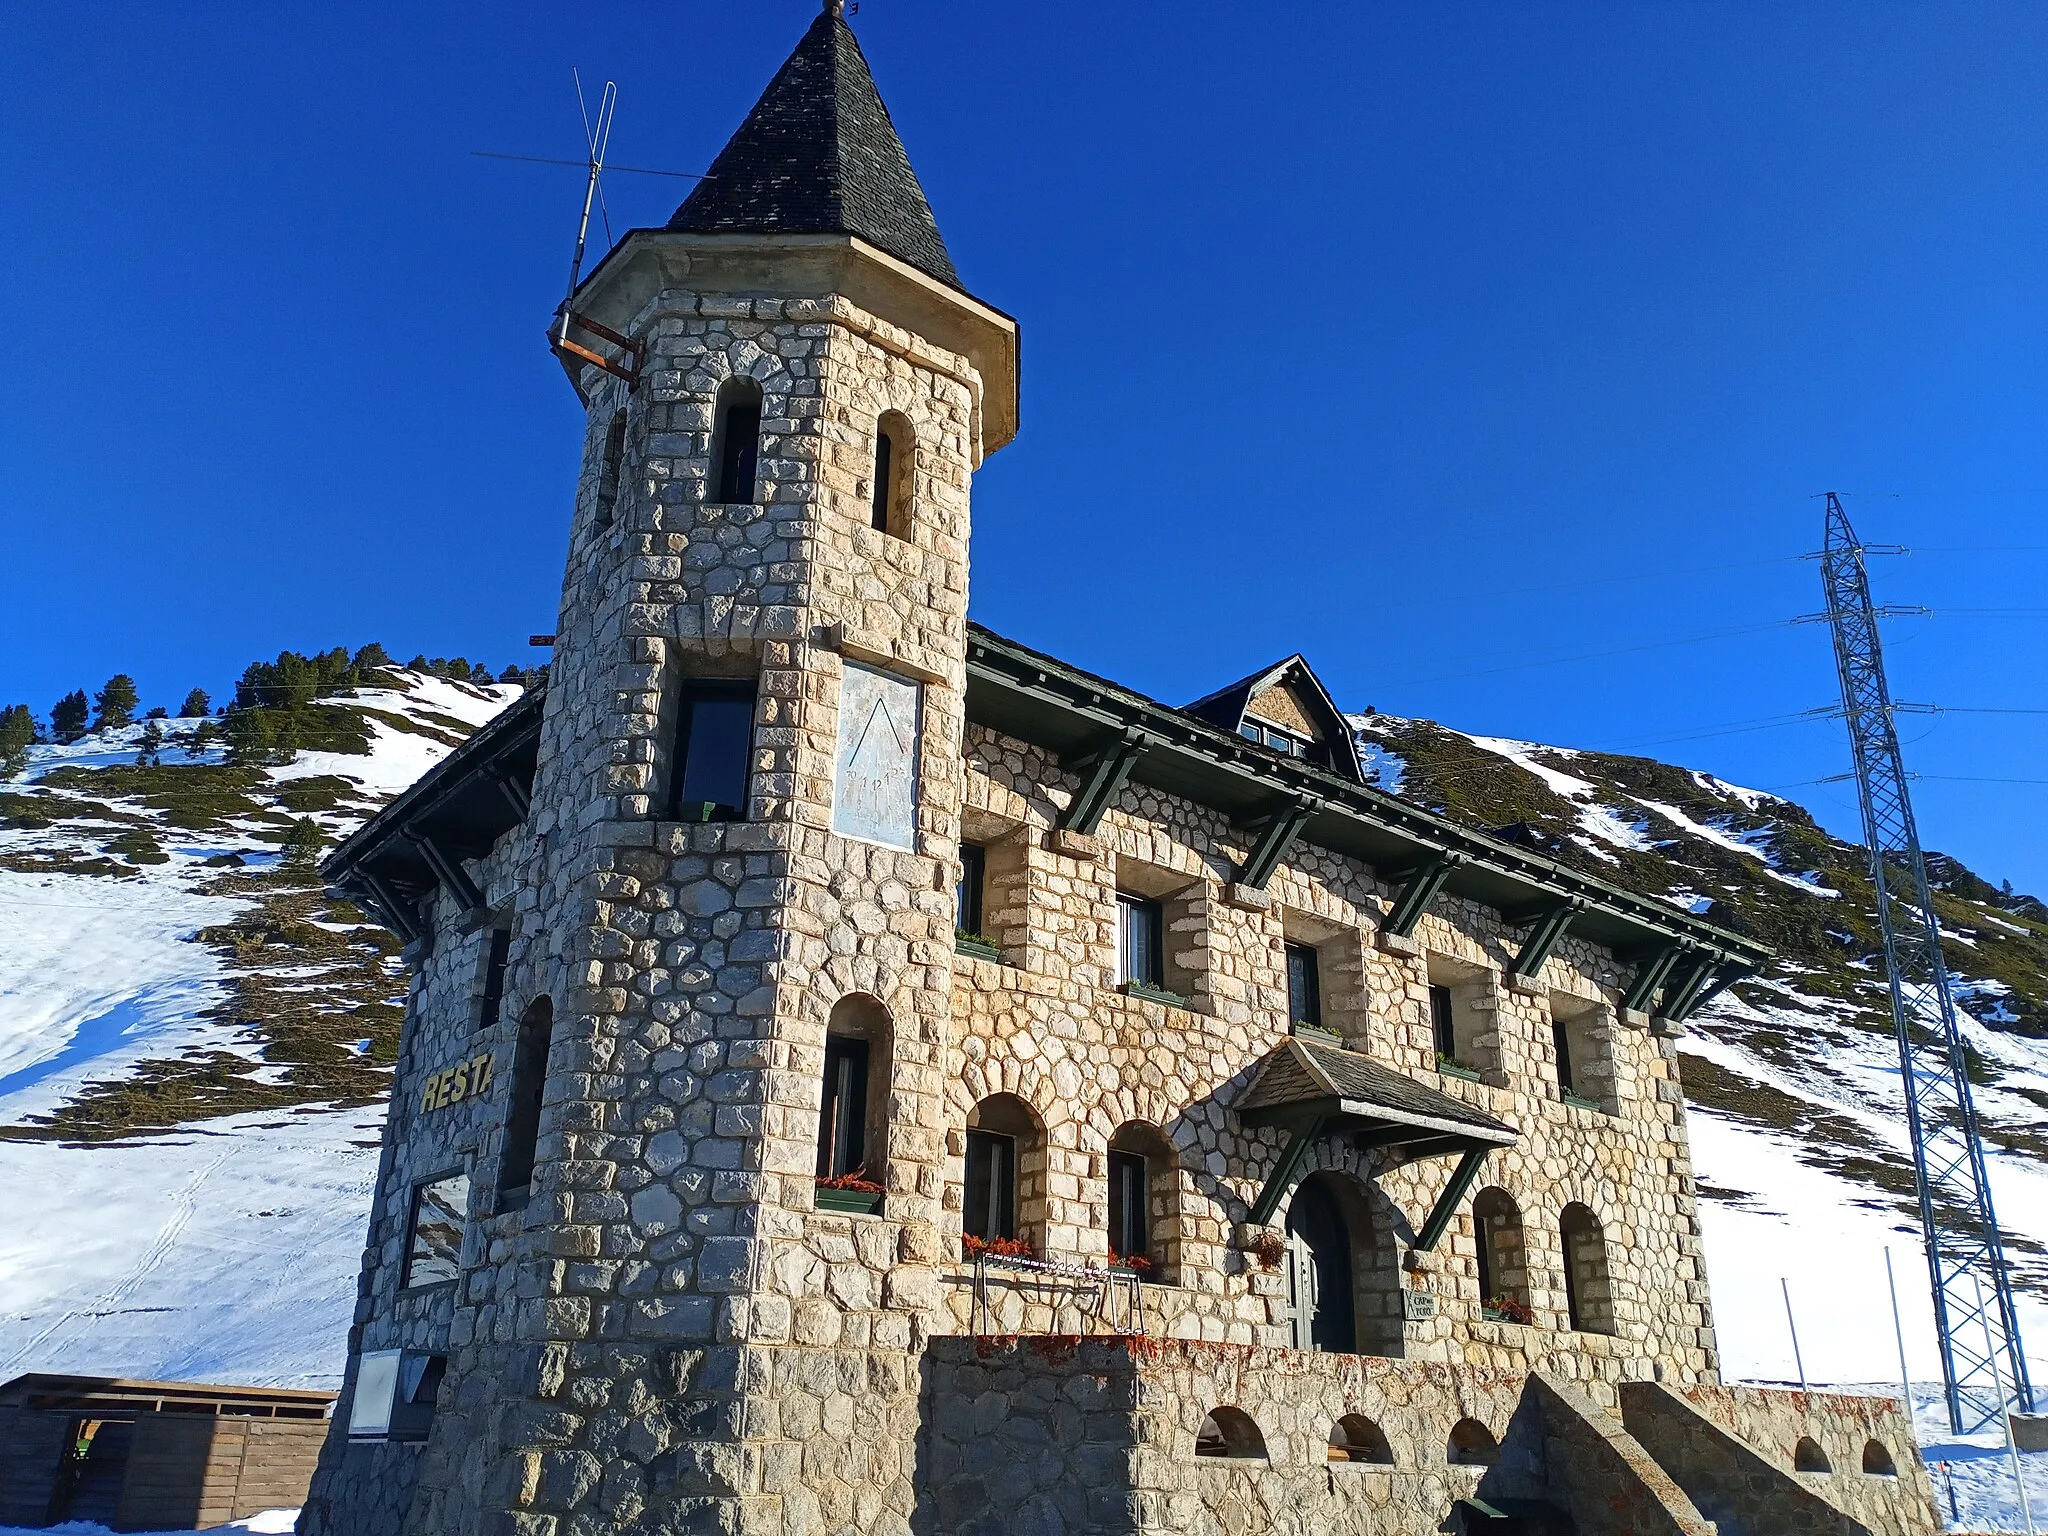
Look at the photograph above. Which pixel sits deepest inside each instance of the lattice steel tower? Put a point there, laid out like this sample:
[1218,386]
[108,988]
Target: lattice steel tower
[1973,1305]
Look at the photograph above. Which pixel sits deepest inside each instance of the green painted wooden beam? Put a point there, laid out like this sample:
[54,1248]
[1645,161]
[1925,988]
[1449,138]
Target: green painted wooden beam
[1292,1156]
[1684,996]
[1424,883]
[1649,976]
[1107,774]
[1550,928]
[1281,832]
[1463,1177]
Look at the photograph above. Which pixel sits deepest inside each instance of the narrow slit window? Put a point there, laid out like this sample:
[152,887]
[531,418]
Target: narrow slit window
[878,512]
[714,739]
[1561,1043]
[989,1206]
[1304,986]
[1443,1022]
[494,977]
[1140,931]
[522,1111]
[611,469]
[738,441]
[967,895]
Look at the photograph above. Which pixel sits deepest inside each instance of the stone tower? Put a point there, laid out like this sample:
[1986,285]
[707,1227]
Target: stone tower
[745,822]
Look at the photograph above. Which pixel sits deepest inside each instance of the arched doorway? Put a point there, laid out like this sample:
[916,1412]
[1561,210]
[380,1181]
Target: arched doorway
[1321,1302]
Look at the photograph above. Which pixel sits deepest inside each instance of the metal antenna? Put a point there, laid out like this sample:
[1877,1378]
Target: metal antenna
[598,138]
[1973,1299]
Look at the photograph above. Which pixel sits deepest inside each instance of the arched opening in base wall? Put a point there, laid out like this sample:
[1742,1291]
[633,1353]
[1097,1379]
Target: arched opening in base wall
[1471,1445]
[1356,1438]
[1230,1432]
[1877,1461]
[1807,1456]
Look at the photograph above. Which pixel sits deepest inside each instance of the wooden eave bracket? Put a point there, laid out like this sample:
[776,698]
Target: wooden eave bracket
[1107,771]
[1281,831]
[1463,1177]
[627,368]
[1301,1140]
[449,871]
[1549,929]
[1423,885]
[1650,975]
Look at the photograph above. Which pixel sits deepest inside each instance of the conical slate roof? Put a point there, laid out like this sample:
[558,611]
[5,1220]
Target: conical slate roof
[818,155]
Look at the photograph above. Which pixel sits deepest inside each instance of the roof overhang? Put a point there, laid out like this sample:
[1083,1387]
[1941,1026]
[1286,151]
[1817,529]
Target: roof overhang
[1030,696]
[624,293]
[457,810]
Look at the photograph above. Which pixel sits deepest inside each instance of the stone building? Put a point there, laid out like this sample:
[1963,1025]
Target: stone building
[864,1075]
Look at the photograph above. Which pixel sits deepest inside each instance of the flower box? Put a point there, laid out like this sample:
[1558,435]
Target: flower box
[975,947]
[1145,991]
[1580,1101]
[853,1202]
[1450,1068]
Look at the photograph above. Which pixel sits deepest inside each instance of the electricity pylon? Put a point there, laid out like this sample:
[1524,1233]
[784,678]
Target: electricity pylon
[1973,1306]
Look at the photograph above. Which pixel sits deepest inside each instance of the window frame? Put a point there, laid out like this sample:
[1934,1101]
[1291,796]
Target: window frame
[1133,910]
[420,1187]
[711,691]
[996,1191]
[1305,1003]
[843,1111]
[611,470]
[970,893]
[1124,1221]
[1443,1021]
[736,452]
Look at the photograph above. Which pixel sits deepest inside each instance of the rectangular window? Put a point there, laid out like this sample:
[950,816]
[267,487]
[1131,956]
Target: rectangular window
[989,1206]
[714,741]
[1140,932]
[1130,1206]
[494,977]
[440,1212]
[1304,986]
[843,1127]
[1561,1042]
[967,896]
[1443,1021]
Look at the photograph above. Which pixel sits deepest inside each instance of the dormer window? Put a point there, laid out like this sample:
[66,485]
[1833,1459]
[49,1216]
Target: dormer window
[1274,737]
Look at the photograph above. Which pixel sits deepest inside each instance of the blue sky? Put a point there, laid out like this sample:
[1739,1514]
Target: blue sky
[1490,354]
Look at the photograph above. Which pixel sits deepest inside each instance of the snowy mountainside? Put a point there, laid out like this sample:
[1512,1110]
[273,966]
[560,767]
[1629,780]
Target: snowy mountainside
[1798,1127]
[195,1042]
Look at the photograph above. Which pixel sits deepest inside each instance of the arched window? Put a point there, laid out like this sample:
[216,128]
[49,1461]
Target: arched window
[1471,1445]
[522,1110]
[1807,1456]
[1877,1461]
[895,464]
[1356,1438]
[1143,1185]
[1229,1432]
[736,444]
[1588,1296]
[850,1125]
[611,469]
[1503,1269]
[1004,1172]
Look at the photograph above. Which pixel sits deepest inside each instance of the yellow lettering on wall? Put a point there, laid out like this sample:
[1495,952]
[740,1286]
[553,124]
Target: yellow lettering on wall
[480,1074]
[465,1080]
[458,1087]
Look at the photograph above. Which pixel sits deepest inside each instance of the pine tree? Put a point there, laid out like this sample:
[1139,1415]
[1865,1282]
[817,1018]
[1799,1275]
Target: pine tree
[152,745]
[195,706]
[302,844]
[201,736]
[17,734]
[67,718]
[115,703]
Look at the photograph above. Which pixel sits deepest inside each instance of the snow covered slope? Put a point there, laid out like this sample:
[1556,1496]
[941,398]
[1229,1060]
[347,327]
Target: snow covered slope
[1799,1135]
[195,1045]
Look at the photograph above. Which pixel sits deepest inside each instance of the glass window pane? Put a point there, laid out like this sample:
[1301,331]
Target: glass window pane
[1443,1022]
[1560,1039]
[1129,1206]
[440,1211]
[989,1207]
[715,758]
[842,1125]
[1304,986]
[967,897]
